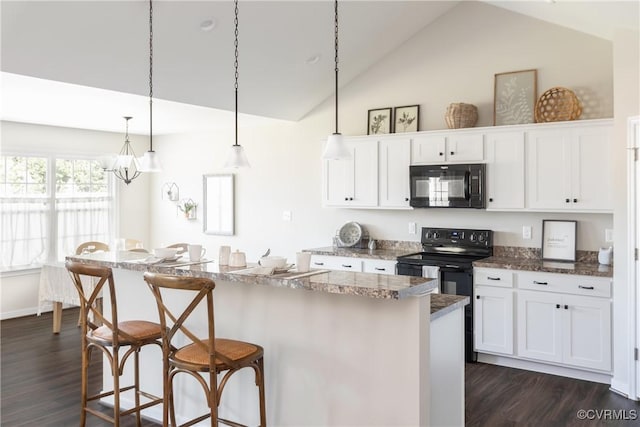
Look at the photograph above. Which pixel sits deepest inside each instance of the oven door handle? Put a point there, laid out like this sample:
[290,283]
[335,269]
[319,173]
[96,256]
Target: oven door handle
[457,267]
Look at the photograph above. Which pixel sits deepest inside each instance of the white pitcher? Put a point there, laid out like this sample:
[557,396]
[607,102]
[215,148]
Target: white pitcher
[605,255]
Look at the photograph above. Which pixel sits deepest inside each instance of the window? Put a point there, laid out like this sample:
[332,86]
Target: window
[50,206]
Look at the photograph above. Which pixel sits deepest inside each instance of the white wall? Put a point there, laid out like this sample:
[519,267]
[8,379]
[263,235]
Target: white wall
[627,104]
[20,293]
[452,60]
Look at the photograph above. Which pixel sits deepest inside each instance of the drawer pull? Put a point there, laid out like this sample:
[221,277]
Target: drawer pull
[492,278]
[557,305]
[318,263]
[347,266]
[477,296]
[540,283]
[381,269]
[585,287]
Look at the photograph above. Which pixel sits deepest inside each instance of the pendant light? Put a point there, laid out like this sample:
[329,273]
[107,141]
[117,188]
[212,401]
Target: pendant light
[336,148]
[236,157]
[126,166]
[150,161]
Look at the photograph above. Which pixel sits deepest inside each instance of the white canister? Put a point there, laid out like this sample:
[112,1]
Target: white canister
[605,255]
[223,257]
[237,259]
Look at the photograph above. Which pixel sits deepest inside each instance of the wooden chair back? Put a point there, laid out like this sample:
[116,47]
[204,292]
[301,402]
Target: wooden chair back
[91,247]
[171,323]
[184,247]
[90,311]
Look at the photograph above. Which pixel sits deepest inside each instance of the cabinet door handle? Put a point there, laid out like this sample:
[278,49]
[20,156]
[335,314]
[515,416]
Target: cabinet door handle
[557,305]
[441,153]
[381,269]
[350,198]
[406,199]
[347,266]
[540,283]
[346,198]
[575,200]
[491,199]
[318,263]
[566,307]
[477,296]
[585,287]
[452,153]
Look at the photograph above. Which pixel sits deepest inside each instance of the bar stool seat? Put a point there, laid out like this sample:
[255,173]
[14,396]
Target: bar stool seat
[135,331]
[194,356]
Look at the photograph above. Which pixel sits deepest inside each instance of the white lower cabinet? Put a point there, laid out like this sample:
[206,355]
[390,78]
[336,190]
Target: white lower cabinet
[363,265]
[561,319]
[568,329]
[493,319]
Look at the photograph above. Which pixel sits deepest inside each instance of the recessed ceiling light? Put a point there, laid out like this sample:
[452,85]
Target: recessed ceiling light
[312,59]
[208,24]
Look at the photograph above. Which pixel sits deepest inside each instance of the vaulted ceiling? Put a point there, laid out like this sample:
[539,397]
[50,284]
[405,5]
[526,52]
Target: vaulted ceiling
[285,47]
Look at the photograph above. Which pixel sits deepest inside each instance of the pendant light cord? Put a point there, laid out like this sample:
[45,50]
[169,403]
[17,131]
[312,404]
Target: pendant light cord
[336,60]
[235,64]
[150,75]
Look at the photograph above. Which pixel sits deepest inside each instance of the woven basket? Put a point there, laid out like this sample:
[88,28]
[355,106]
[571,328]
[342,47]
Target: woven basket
[556,105]
[460,115]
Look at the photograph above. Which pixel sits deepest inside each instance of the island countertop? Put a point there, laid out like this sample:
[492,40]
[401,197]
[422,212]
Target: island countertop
[370,285]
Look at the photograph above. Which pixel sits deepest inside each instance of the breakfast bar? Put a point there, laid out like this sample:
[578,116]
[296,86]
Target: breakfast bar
[341,348]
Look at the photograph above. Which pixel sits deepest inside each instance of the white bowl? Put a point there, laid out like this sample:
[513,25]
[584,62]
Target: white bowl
[273,261]
[165,252]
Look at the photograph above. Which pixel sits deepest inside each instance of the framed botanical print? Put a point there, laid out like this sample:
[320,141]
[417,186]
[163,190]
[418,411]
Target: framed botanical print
[514,97]
[379,121]
[406,118]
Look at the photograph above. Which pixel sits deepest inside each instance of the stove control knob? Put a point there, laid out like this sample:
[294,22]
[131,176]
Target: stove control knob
[436,235]
[481,238]
[472,237]
[427,235]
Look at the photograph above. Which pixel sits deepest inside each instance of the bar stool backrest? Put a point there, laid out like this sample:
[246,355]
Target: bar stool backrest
[91,315]
[91,247]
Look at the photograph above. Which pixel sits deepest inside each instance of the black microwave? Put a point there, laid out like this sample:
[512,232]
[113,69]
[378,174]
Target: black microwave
[447,186]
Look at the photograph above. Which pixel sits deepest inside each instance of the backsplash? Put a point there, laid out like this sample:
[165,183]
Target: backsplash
[536,253]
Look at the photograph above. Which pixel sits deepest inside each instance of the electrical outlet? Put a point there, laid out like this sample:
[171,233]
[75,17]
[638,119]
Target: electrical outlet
[608,235]
[526,232]
[286,216]
[412,228]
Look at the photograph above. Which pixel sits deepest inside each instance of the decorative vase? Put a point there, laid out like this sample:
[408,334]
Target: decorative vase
[461,115]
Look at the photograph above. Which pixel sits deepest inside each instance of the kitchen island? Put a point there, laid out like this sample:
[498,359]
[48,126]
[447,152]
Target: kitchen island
[341,348]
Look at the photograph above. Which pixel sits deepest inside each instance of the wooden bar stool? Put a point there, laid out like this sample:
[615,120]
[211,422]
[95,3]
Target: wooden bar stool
[209,355]
[109,338]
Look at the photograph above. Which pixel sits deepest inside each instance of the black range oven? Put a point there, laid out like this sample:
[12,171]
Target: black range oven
[448,255]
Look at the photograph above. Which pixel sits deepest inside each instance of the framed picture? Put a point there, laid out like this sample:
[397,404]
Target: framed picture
[514,98]
[559,240]
[406,118]
[379,121]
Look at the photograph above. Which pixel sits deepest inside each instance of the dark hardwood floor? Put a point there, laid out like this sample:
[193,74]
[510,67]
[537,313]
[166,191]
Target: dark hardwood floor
[41,385]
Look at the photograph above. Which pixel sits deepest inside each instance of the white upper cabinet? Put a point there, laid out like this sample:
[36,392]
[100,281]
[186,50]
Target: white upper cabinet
[395,156]
[504,152]
[353,182]
[569,168]
[447,147]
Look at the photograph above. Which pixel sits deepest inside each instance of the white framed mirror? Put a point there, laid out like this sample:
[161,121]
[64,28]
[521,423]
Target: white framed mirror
[218,204]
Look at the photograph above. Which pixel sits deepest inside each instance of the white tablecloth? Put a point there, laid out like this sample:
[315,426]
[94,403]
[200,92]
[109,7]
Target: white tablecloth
[56,285]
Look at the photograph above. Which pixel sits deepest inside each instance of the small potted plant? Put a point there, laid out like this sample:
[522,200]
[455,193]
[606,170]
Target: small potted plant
[188,207]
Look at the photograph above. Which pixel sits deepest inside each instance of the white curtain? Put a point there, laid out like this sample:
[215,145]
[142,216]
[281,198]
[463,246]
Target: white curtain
[82,220]
[25,231]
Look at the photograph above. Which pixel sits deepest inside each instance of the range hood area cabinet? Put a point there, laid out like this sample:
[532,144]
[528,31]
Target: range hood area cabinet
[376,175]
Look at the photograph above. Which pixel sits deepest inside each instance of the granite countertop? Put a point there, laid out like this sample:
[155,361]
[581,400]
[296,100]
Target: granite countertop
[387,254]
[578,268]
[442,304]
[370,285]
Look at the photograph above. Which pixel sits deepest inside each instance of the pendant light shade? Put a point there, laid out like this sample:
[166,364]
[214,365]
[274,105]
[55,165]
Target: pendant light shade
[336,148]
[150,162]
[236,157]
[125,165]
